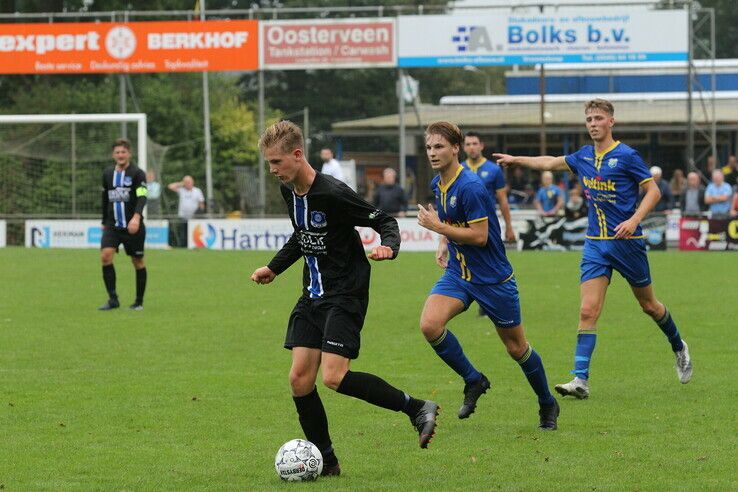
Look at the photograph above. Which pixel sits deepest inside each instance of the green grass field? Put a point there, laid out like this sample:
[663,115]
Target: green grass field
[192,393]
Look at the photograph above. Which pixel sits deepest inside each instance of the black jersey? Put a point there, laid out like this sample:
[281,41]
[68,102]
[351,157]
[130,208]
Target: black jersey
[123,194]
[324,220]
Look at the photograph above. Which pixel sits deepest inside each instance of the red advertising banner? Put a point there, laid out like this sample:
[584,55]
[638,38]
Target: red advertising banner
[306,44]
[179,46]
[708,234]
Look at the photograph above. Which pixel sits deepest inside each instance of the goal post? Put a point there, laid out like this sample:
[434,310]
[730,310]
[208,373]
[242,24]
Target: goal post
[50,164]
[138,118]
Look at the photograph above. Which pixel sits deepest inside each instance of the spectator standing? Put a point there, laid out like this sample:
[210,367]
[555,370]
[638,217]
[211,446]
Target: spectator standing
[718,195]
[389,196]
[677,184]
[730,171]
[520,188]
[153,202]
[331,166]
[191,201]
[692,201]
[549,198]
[666,202]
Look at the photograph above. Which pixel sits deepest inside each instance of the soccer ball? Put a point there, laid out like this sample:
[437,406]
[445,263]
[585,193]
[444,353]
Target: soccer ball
[298,460]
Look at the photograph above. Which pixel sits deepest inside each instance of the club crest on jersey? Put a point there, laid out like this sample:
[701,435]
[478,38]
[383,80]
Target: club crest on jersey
[612,162]
[452,201]
[484,174]
[127,181]
[317,219]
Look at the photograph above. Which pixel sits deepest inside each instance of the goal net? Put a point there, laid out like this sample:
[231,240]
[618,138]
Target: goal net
[51,165]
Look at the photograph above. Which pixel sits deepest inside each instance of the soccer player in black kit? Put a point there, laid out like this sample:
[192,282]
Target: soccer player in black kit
[123,201]
[324,327]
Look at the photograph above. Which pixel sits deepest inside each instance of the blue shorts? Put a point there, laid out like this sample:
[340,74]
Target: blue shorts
[627,256]
[500,302]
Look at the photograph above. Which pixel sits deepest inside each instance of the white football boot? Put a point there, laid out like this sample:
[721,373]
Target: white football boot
[684,364]
[577,387]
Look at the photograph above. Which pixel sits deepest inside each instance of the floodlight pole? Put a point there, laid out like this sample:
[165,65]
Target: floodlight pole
[262,163]
[123,103]
[690,165]
[542,84]
[401,114]
[206,130]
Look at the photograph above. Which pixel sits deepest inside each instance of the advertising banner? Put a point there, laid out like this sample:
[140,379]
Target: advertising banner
[178,46]
[708,234]
[3,233]
[560,234]
[238,234]
[413,236]
[334,43]
[553,234]
[86,234]
[271,234]
[502,39]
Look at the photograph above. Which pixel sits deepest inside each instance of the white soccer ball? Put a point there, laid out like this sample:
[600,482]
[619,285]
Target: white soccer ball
[298,460]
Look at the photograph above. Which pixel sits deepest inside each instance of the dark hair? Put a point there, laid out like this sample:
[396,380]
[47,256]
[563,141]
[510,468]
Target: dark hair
[472,135]
[447,130]
[122,142]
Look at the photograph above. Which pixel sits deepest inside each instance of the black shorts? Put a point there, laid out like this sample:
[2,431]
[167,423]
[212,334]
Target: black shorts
[112,237]
[332,325]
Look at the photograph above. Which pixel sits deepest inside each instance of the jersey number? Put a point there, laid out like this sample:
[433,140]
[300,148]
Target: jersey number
[465,272]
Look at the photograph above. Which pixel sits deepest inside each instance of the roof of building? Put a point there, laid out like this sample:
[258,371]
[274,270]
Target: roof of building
[563,112]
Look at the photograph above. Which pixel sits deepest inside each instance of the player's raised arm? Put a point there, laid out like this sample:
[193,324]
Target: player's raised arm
[540,163]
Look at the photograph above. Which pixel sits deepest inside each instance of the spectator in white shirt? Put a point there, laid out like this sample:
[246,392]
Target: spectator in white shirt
[191,200]
[330,165]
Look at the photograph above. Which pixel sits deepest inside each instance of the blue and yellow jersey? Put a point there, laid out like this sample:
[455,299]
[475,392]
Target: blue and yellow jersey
[611,182]
[548,196]
[490,174]
[463,201]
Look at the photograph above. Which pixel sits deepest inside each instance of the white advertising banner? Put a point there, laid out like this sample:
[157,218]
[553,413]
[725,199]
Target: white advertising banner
[327,43]
[509,39]
[238,234]
[3,233]
[86,234]
[413,237]
[271,234]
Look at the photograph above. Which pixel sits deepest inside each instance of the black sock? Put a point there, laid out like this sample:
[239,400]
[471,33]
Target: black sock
[314,424]
[109,279]
[140,285]
[377,391]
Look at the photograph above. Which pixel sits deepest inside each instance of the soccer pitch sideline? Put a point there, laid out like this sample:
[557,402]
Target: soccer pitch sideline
[192,392]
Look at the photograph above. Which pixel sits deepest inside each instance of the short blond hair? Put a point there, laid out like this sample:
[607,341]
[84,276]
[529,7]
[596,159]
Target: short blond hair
[284,134]
[602,104]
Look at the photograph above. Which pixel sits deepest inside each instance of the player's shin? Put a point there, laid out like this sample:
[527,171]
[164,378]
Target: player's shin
[375,390]
[140,285]
[449,349]
[108,273]
[586,340]
[532,367]
[667,325]
[314,423]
